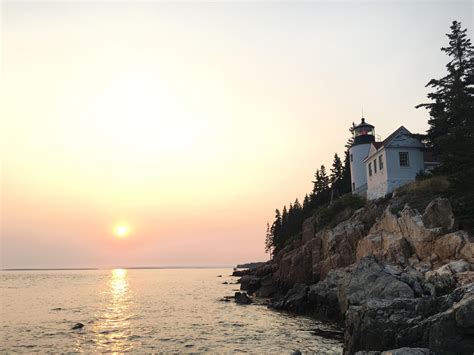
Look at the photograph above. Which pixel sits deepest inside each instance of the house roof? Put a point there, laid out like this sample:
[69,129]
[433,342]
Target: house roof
[381,145]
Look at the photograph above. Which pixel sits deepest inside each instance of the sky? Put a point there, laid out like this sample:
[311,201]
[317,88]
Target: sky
[189,122]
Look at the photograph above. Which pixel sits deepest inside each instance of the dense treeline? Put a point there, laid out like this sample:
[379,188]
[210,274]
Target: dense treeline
[451,122]
[326,187]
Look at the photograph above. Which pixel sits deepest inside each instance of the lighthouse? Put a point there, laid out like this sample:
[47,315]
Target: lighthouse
[364,136]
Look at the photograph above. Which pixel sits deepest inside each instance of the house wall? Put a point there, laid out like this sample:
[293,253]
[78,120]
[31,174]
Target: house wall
[377,183]
[358,175]
[394,175]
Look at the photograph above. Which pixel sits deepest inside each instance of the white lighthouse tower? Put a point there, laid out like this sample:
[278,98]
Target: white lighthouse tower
[364,136]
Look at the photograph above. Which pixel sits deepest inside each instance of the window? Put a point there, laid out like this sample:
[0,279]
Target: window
[351,158]
[380,162]
[404,161]
[370,169]
[375,166]
[353,186]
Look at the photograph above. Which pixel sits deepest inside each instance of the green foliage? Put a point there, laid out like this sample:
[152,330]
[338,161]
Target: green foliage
[451,131]
[332,214]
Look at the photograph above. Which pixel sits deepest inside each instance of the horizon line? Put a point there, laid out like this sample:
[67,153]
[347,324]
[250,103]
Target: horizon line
[120,267]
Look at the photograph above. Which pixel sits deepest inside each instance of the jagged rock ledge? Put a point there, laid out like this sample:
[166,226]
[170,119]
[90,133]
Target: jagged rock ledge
[395,279]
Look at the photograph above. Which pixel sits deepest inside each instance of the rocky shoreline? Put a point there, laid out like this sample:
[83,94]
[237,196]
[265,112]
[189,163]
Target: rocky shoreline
[394,277]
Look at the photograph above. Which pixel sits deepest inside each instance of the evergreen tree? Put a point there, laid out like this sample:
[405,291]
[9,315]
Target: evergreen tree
[268,239]
[336,174]
[451,122]
[346,174]
[451,131]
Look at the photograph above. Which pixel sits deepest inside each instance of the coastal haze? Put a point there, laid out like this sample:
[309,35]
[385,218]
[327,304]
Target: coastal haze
[187,124]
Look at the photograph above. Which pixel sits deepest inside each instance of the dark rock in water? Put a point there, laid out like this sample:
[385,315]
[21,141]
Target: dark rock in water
[329,334]
[225,283]
[57,309]
[296,352]
[242,298]
[251,266]
[226,299]
[295,300]
[240,273]
[250,283]
[219,275]
[78,326]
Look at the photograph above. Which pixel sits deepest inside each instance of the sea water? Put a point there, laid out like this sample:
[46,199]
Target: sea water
[144,310]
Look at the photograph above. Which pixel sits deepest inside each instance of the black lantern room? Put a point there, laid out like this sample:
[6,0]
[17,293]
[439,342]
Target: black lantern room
[364,133]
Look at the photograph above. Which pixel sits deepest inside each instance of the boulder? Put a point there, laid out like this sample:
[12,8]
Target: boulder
[250,283]
[449,245]
[395,248]
[322,296]
[78,326]
[439,214]
[369,245]
[370,280]
[417,235]
[295,300]
[242,298]
[464,312]
[467,252]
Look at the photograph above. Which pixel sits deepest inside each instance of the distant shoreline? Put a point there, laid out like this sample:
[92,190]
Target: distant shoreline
[119,267]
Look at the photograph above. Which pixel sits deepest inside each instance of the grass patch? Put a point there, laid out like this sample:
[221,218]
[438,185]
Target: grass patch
[418,194]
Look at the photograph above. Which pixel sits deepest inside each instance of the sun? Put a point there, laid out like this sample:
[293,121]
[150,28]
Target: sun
[121,231]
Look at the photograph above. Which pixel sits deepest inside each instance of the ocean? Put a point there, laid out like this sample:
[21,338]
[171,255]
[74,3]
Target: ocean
[144,310]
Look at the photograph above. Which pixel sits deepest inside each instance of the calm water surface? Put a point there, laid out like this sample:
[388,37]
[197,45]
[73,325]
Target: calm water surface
[143,310]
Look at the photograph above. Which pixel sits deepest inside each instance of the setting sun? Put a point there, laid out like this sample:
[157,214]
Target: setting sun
[121,231]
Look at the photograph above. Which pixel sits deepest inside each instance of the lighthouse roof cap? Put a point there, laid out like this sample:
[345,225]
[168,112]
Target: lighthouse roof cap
[363,124]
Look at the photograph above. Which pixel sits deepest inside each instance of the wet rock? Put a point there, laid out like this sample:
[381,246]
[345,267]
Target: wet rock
[225,283]
[242,298]
[295,299]
[240,273]
[250,283]
[226,299]
[322,297]
[78,326]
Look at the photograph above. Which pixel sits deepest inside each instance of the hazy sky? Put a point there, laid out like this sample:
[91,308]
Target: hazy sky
[191,122]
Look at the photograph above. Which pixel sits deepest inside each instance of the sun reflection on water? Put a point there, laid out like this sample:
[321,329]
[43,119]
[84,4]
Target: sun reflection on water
[113,326]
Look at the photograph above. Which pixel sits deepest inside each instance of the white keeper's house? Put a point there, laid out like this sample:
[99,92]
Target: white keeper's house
[377,168]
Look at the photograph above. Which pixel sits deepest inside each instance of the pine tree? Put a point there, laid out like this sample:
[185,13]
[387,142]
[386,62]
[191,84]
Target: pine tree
[346,174]
[451,131]
[268,239]
[451,121]
[336,175]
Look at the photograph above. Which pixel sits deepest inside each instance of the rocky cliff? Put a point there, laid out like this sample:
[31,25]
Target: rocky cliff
[396,278]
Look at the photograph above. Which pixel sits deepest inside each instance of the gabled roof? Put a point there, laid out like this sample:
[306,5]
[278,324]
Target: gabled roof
[392,140]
